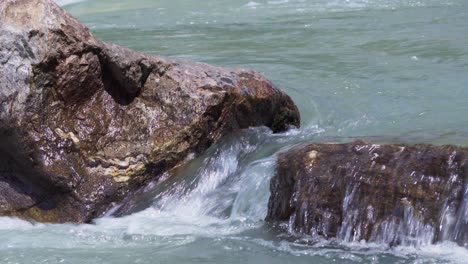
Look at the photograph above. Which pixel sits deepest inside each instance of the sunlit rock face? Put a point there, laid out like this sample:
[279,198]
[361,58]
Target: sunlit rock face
[394,194]
[83,122]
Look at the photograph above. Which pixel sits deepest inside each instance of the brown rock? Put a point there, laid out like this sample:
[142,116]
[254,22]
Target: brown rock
[83,123]
[395,194]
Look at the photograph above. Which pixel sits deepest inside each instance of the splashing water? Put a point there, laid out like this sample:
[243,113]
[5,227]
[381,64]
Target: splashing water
[455,226]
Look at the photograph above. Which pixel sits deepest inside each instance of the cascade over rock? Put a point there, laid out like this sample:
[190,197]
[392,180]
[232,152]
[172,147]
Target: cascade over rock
[394,194]
[83,123]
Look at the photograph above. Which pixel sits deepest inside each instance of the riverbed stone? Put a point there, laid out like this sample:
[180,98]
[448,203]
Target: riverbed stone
[83,123]
[359,191]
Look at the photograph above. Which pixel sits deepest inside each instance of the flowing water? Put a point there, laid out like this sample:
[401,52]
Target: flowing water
[385,70]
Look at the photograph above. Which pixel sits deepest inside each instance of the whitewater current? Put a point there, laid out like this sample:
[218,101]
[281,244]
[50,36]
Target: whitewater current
[382,70]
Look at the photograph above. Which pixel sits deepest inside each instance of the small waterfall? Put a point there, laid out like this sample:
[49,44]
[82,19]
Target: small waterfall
[406,228]
[211,189]
[408,231]
[455,222]
[252,199]
[224,191]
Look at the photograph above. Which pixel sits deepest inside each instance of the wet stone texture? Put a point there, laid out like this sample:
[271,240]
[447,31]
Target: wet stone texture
[394,194]
[84,123]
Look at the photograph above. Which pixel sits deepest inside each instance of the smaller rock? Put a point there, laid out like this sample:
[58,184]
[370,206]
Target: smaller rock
[394,194]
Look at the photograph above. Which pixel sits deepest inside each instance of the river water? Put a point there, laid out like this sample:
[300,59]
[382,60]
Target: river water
[383,70]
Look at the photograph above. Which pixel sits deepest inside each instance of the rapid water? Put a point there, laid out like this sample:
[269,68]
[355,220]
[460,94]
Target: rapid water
[385,70]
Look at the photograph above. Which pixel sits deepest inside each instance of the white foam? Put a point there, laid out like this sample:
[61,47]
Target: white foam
[10,223]
[446,251]
[252,4]
[68,2]
[278,2]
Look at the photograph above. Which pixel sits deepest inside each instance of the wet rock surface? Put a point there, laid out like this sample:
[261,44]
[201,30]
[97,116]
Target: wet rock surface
[394,194]
[84,123]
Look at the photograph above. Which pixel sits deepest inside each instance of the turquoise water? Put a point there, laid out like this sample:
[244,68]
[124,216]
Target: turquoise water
[392,68]
[389,71]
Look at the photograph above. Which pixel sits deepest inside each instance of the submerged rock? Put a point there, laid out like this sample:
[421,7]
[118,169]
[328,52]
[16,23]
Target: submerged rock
[83,122]
[394,194]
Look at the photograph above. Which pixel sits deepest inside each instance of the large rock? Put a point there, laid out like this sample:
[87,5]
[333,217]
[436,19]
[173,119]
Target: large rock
[394,194]
[83,122]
